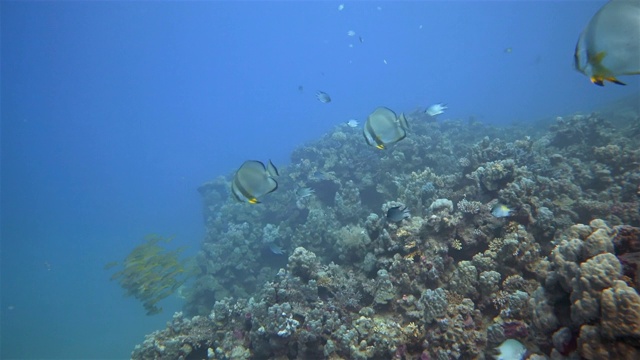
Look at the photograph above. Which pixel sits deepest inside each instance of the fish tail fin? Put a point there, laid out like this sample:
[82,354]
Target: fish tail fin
[616,81]
[599,80]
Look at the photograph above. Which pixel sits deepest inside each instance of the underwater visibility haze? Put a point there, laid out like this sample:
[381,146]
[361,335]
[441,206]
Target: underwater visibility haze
[318,179]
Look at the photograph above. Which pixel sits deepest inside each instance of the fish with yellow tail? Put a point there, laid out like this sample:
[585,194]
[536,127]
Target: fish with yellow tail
[501,210]
[609,46]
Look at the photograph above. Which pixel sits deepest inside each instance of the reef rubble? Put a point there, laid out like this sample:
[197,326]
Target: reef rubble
[560,274]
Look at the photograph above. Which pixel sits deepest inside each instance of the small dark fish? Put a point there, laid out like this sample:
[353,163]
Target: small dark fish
[397,214]
[300,88]
[361,39]
[323,97]
[110,265]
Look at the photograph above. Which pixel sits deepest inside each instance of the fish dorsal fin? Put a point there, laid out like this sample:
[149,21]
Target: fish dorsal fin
[272,170]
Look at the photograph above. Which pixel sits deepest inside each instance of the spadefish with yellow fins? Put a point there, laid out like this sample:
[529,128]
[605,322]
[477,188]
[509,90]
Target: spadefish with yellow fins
[253,180]
[384,127]
[609,46]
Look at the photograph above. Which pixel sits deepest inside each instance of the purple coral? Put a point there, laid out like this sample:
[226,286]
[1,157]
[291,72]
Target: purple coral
[515,329]
[564,341]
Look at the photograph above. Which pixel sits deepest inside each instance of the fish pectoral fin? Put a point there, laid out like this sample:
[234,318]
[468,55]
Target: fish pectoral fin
[602,72]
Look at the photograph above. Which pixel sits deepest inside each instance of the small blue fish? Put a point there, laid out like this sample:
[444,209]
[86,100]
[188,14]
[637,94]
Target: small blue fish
[501,211]
[275,249]
[318,175]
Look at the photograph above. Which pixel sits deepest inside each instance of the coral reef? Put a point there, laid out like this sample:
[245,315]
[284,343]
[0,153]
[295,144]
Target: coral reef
[327,275]
[585,280]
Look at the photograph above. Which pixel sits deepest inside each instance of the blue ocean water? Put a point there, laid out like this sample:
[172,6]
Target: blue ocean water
[113,113]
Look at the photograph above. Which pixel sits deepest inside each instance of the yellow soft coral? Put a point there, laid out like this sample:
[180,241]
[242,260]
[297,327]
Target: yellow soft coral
[150,272]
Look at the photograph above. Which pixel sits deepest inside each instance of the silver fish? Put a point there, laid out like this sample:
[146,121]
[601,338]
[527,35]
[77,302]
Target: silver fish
[253,180]
[323,97]
[275,249]
[436,109]
[384,127]
[609,46]
[304,192]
